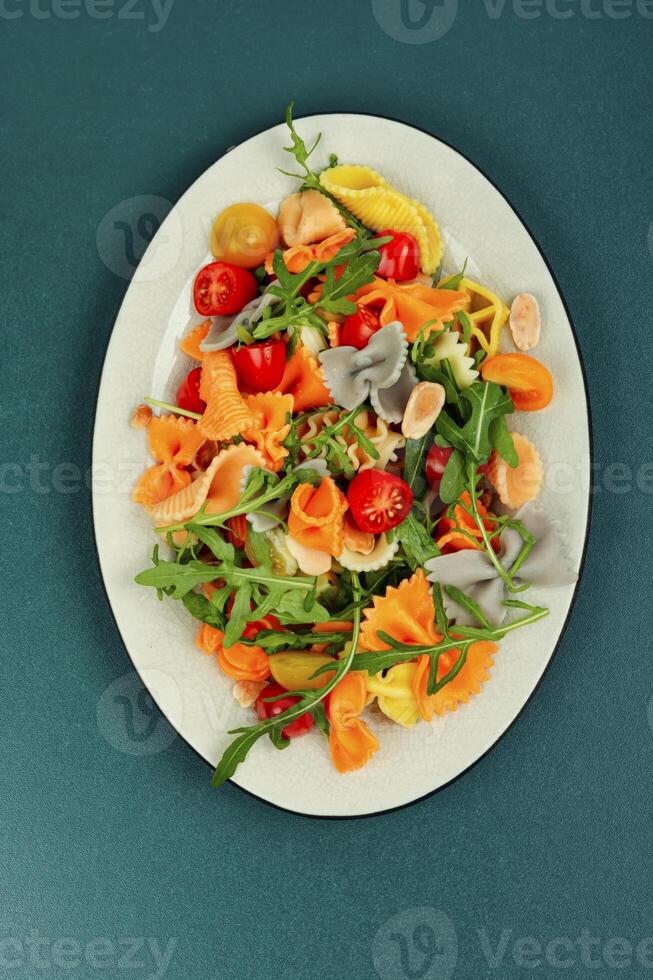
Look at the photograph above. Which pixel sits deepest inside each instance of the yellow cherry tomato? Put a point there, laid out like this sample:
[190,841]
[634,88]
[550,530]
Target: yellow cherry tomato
[244,234]
[293,668]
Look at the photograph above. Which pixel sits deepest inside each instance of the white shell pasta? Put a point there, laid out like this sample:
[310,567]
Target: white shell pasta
[385,440]
[383,552]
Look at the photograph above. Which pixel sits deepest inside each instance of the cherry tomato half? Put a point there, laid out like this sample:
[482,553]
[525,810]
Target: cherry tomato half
[400,257]
[379,501]
[244,234]
[359,327]
[260,367]
[188,394]
[269,709]
[221,289]
[436,462]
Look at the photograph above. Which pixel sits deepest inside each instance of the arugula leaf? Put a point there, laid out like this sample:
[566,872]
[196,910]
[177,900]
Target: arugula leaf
[320,718]
[299,150]
[258,548]
[360,259]
[486,401]
[239,616]
[415,462]
[278,739]
[501,439]
[307,701]
[175,578]
[310,179]
[453,282]
[237,751]
[453,478]
[222,550]
[416,541]
[205,611]
[466,324]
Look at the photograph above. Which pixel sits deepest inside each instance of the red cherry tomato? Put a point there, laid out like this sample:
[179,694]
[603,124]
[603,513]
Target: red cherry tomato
[221,289]
[436,462]
[188,395]
[359,327]
[399,258]
[379,501]
[260,367]
[269,709]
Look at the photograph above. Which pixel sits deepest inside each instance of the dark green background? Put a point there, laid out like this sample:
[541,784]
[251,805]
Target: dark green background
[551,833]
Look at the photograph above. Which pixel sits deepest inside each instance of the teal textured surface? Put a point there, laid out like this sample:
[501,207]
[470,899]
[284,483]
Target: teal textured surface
[118,858]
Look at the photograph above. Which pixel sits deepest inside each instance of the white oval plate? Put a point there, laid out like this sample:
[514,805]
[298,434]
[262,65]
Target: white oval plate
[143,358]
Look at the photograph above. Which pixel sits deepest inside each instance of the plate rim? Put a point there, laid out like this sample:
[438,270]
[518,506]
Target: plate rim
[590,496]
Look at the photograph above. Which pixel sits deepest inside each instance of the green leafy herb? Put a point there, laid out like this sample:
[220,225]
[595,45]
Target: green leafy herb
[453,478]
[291,310]
[453,282]
[501,439]
[310,179]
[415,463]
[327,442]
[375,661]
[308,701]
[417,543]
[486,401]
[205,611]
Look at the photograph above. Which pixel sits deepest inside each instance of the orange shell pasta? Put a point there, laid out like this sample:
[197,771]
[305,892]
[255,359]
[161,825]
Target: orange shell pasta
[244,663]
[405,613]
[209,638]
[516,486]
[316,516]
[158,483]
[464,685]
[412,304]
[190,345]
[302,379]
[226,413]
[218,487]
[351,743]
[270,411]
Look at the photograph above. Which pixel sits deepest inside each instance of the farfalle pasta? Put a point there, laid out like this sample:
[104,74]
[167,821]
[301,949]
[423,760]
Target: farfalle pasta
[270,426]
[338,496]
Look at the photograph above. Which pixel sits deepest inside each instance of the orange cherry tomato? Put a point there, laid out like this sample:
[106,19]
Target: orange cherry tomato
[244,234]
[530,384]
